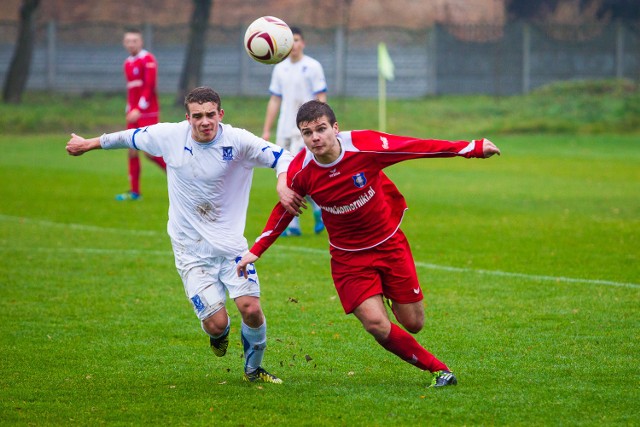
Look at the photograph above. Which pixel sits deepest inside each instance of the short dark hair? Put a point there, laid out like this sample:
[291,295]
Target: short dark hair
[201,95]
[313,110]
[298,31]
[133,30]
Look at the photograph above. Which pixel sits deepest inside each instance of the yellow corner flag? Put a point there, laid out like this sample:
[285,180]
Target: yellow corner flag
[385,72]
[385,65]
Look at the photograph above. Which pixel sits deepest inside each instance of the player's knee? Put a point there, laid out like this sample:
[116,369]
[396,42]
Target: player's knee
[410,318]
[413,325]
[215,325]
[378,327]
[251,314]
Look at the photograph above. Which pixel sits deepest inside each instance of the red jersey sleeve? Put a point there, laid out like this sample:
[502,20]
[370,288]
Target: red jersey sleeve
[279,218]
[396,148]
[276,224]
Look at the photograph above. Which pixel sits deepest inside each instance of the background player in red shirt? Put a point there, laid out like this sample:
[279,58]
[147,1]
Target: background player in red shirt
[362,210]
[143,109]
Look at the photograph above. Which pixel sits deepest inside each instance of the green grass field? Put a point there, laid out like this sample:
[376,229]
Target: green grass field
[530,264]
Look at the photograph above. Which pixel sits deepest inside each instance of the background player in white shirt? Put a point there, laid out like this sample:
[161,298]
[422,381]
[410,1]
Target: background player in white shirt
[294,81]
[209,172]
[363,210]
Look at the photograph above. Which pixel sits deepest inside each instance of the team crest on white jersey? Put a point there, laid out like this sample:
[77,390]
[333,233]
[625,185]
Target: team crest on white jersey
[227,153]
[359,180]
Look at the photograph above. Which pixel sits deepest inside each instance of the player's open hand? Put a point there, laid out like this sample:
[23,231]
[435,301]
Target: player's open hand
[241,267]
[290,200]
[489,148]
[133,116]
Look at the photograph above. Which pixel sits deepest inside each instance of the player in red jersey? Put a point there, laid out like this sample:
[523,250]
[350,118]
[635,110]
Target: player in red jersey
[362,210]
[143,109]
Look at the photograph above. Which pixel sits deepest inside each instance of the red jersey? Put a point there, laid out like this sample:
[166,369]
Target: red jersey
[141,72]
[361,207]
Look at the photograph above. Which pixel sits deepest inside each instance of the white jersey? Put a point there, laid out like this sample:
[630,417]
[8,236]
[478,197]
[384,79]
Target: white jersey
[208,183]
[295,83]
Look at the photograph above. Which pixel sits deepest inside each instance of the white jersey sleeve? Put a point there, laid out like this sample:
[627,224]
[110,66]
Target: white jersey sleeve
[256,152]
[155,139]
[316,77]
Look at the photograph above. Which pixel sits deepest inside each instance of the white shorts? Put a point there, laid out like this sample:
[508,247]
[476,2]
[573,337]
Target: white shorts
[207,280]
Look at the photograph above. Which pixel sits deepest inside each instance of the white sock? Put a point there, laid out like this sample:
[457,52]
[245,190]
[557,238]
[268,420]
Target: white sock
[295,222]
[254,341]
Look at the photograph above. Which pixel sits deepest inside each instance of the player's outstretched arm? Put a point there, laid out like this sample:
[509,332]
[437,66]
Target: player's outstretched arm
[77,145]
[247,259]
[489,148]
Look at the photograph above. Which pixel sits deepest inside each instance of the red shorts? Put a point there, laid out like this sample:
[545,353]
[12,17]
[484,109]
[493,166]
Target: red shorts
[387,269]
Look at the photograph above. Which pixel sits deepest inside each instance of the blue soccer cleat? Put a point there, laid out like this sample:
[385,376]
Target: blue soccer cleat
[129,195]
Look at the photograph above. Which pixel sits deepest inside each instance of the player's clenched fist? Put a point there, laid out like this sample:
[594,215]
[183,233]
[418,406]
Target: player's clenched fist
[78,145]
[489,148]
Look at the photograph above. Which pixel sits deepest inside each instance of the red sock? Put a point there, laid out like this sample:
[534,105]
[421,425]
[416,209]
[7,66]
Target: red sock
[134,174]
[159,161]
[403,345]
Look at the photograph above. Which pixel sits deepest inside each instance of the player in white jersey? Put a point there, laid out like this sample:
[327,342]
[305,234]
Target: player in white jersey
[209,173]
[294,81]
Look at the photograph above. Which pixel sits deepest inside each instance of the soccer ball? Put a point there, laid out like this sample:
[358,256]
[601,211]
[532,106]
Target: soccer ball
[268,40]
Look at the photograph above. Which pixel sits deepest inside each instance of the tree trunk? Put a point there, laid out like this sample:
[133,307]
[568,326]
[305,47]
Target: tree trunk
[18,73]
[192,68]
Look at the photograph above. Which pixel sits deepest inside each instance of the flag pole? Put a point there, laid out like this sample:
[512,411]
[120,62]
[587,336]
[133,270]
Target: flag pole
[385,72]
[382,102]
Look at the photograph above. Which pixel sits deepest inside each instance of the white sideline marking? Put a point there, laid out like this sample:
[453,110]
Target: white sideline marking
[81,227]
[95,251]
[493,272]
[529,276]
[557,279]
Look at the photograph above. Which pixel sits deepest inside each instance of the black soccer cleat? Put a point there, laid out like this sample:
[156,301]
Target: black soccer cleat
[262,376]
[219,345]
[443,378]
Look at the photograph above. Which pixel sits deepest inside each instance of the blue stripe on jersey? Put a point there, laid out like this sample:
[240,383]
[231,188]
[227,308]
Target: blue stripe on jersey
[133,138]
[277,156]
